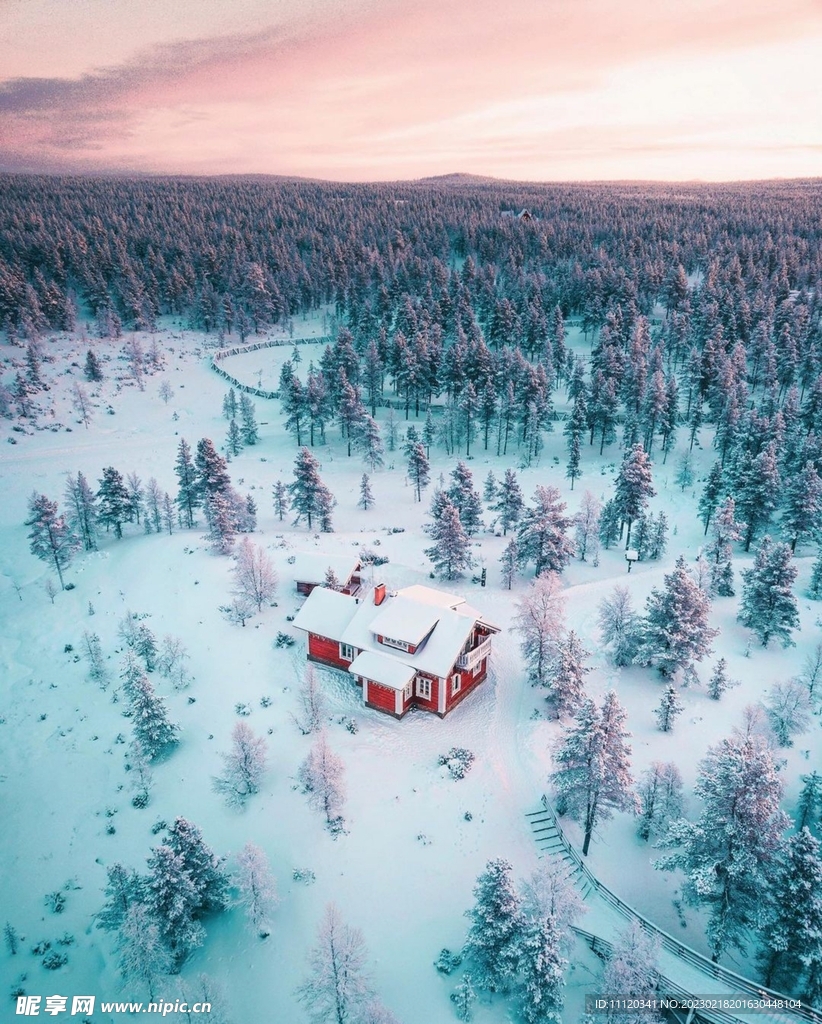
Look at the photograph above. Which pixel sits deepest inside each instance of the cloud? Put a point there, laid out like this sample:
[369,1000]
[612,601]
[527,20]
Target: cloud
[421,86]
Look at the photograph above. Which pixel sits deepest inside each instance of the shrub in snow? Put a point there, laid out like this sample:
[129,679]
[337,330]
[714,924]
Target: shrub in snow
[463,997]
[458,761]
[447,962]
[304,875]
[242,709]
[283,639]
[53,960]
[56,902]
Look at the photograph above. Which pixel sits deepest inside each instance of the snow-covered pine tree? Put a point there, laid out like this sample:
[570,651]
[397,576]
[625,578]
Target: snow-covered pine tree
[768,605]
[574,430]
[212,476]
[586,522]
[243,766]
[142,954]
[465,499]
[710,495]
[204,867]
[609,523]
[93,653]
[234,440]
[450,553]
[727,856]
[124,889]
[540,622]
[172,902]
[620,625]
[810,801]
[660,798]
[542,972]
[369,444]
[658,539]
[418,468]
[145,645]
[489,488]
[670,708]
[802,515]
[566,685]
[509,502]
[168,513]
[541,534]
[188,498]
[463,998]
[280,499]
[82,510]
[509,562]
[295,405]
[222,521]
[675,631]
[495,932]
[253,573]
[257,888]
[792,932]
[758,492]
[337,987]
[115,502]
[322,777]
[93,369]
[815,586]
[789,710]
[50,538]
[551,891]
[592,774]
[248,420]
[633,487]
[366,496]
[230,405]
[719,681]
[684,471]
[632,969]
[152,726]
[310,498]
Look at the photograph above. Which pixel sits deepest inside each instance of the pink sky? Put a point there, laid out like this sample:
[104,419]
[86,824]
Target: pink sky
[385,89]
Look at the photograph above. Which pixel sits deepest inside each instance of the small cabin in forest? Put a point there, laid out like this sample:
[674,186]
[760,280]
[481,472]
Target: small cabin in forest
[416,648]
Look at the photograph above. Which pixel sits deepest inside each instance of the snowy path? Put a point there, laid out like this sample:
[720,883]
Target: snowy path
[682,970]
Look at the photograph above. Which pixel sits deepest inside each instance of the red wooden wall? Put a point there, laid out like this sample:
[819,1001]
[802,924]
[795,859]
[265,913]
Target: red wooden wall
[320,648]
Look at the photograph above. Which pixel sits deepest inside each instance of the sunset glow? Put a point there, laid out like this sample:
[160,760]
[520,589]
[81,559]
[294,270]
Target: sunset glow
[358,90]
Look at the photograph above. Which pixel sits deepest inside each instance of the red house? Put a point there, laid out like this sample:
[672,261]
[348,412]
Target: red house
[417,648]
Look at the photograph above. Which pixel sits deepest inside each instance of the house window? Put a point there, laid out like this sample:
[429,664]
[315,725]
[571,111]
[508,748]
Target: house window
[346,652]
[424,688]
[406,692]
[400,645]
[455,683]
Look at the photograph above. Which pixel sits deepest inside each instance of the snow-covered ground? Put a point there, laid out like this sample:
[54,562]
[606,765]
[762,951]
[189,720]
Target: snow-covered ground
[405,870]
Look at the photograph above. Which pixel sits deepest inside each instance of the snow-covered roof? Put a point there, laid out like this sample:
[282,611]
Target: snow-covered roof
[428,595]
[326,612]
[311,566]
[382,669]
[403,618]
[342,618]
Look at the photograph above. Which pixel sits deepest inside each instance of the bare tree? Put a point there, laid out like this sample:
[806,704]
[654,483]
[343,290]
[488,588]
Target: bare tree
[311,704]
[245,765]
[811,675]
[540,622]
[336,989]
[254,577]
[789,710]
[142,779]
[258,890]
[321,775]
[142,953]
[586,521]
[82,404]
[173,656]
[166,392]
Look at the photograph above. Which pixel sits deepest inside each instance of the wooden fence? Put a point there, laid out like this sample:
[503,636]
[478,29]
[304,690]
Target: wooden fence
[238,350]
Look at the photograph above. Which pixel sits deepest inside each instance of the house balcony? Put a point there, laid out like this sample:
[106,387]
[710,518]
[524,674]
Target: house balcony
[470,659]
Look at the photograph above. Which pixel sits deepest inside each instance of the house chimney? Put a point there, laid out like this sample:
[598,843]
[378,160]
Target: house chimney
[379,593]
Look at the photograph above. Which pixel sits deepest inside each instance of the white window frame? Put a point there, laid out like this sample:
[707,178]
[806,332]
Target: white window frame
[346,652]
[400,645]
[456,683]
[423,688]
[407,690]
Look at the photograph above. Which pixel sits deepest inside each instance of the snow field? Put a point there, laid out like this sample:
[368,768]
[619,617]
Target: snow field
[59,774]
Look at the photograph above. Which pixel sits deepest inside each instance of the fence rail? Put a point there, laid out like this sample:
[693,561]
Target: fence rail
[738,984]
[256,346]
